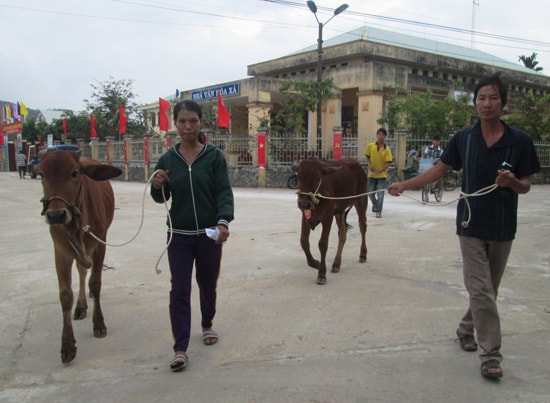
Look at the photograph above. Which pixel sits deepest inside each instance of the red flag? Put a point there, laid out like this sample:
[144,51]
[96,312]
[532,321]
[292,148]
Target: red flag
[122,120]
[223,114]
[164,105]
[261,150]
[337,145]
[93,133]
[64,126]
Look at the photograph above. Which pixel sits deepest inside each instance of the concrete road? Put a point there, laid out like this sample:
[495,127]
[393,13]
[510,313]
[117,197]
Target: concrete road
[382,331]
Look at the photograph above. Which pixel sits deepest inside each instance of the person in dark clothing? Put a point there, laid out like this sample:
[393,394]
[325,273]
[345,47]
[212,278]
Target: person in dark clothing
[489,152]
[194,175]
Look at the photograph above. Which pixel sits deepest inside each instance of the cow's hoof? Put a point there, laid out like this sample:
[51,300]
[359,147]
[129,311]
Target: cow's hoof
[80,313]
[335,269]
[362,259]
[321,281]
[100,332]
[68,354]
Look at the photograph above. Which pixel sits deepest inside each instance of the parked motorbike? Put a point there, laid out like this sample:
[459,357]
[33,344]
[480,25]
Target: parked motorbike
[292,181]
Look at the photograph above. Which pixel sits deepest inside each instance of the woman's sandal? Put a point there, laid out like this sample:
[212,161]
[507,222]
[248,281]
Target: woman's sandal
[209,337]
[491,364]
[467,341]
[179,362]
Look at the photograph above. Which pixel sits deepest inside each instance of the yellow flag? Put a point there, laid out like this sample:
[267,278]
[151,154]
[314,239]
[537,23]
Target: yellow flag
[23,109]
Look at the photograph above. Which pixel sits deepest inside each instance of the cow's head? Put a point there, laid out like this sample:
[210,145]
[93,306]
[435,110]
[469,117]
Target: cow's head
[62,180]
[311,173]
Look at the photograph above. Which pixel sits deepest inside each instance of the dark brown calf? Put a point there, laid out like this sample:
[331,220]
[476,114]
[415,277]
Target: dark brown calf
[77,193]
[329,189]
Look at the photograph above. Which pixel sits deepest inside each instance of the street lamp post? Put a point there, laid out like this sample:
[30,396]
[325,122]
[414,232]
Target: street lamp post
[313,7]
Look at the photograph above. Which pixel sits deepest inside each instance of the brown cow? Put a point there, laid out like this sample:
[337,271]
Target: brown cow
[77,193]
[319,182]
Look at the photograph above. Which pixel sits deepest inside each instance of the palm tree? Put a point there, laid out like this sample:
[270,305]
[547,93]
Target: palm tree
[530,62]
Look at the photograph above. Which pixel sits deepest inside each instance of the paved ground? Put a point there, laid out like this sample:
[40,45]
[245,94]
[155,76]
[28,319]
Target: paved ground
[377,332]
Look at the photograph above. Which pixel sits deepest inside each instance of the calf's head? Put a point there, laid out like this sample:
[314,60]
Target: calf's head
[62,174]
[311,175]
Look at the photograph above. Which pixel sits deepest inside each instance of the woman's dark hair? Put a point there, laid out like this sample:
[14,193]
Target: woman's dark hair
[496,82]
[188,105]
[383,131]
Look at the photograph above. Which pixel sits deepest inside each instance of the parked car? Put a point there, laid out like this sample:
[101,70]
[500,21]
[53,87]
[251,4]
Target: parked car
[36,160]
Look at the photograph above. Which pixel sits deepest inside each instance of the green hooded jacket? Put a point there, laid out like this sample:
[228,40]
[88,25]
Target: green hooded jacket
[201,193]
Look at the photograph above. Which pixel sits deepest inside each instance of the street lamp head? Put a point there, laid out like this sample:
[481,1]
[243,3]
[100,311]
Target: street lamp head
[339,10]
[312,6]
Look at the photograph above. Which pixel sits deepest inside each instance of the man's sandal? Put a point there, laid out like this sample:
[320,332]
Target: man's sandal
[467,341]
[489,365]
[179,362]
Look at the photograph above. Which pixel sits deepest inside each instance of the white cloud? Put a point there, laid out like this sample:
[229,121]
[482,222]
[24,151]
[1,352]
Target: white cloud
[53,50]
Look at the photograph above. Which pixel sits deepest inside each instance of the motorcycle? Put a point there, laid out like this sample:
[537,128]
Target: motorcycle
[292,181]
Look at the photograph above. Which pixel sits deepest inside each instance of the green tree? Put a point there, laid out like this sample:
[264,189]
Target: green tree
[32,129]
[104,104]
[532,114]
[78,126]
[530,62]
[299,97]
[423,116]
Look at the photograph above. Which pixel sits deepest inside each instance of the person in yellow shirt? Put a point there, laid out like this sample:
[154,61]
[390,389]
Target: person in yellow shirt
[379,158]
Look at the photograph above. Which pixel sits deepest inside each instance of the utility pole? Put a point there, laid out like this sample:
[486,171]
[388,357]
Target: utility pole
[475,6]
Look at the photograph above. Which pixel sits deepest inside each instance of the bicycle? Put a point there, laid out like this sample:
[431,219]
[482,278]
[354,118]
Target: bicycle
[434,188]
[451,180]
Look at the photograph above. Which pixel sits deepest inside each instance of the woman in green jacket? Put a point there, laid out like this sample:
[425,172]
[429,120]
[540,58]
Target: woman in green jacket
[195,176]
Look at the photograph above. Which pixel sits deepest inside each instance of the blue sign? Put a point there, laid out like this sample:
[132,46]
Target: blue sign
[209,93]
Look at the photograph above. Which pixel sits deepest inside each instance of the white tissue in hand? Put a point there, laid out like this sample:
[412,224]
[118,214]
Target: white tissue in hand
[213,233]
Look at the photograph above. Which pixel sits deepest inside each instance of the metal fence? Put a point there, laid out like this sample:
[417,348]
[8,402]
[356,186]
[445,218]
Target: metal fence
[282,151]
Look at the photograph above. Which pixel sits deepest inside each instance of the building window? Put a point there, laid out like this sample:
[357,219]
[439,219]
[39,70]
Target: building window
[425,73]
[415,72]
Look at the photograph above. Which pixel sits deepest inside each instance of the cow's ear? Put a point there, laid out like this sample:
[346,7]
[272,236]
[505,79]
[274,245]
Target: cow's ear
[100,172]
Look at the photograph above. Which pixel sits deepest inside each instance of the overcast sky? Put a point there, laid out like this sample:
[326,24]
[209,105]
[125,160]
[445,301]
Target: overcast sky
[53,50]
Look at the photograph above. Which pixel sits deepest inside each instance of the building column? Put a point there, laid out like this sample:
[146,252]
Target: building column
[258,116]
[370,107]
[332,117]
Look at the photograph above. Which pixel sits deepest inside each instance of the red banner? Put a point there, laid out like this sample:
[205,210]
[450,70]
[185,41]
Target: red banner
[337,146]
[223,114]
[93,133]
[261,150]
[12,128]
[122,120]
[164,105]
[146,151]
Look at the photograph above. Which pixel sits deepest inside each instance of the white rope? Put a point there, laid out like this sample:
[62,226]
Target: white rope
[481,192]
[88,230]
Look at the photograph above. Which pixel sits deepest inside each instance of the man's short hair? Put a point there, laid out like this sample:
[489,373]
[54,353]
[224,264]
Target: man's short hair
[496,82]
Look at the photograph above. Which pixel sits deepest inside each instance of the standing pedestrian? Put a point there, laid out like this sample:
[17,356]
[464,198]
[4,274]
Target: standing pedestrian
[489,152]
[21,160]
[379,158]
[195,176]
